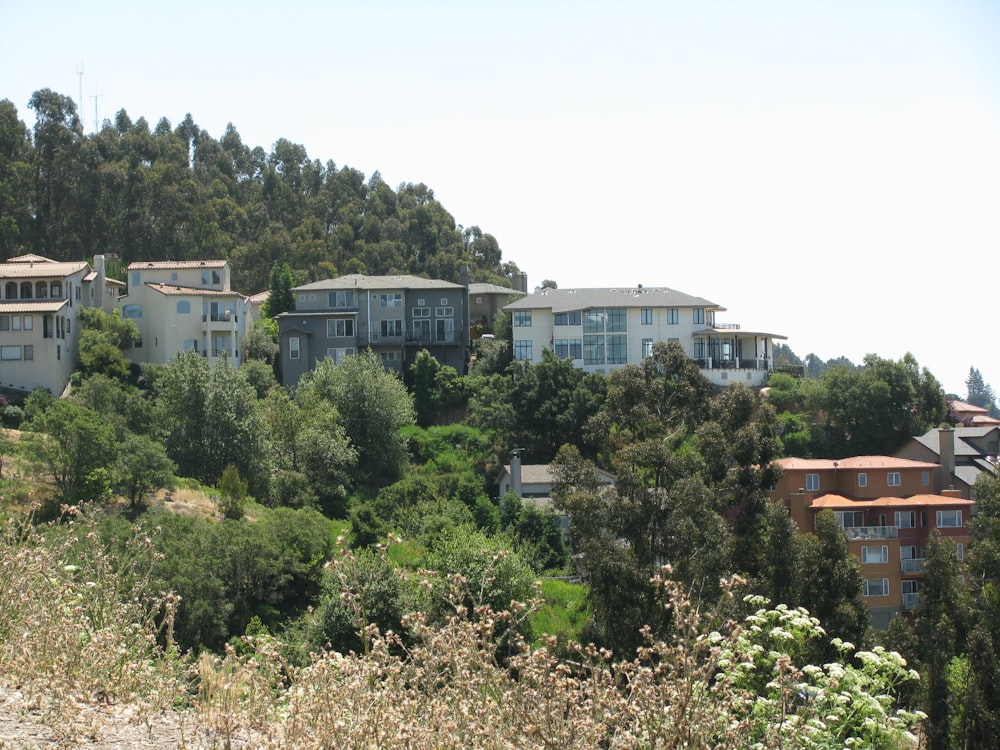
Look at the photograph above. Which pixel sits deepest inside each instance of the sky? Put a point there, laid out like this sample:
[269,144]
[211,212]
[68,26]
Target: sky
[826,171]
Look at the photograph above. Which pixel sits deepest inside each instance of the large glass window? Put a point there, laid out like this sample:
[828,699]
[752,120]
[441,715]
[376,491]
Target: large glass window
[522,318]
[444,329]
[522,349]
[673,316]
[949,519]
[183,307]
[699,348]
[572,318]
[617,349]
[617,320]
[421,312]
[593,321]
[340,328]
[850,519]
[647,348]
[646,316]
[391,327]
[698,315]
[812,482]
[8,353]
[875,554]
[391,300]
[341,298]
[569,348]
[593,350]
[895,480]
[906,519]
[876,587]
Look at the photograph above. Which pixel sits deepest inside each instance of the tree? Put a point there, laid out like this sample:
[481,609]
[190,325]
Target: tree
[979,392]
[142,467]
[75,447]
[426,390]
[372,406]
[281,298]
[209,417]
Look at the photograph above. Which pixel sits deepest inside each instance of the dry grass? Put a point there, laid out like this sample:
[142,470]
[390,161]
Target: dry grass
[86,658]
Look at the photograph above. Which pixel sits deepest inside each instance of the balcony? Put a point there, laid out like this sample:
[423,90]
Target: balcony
[866,533]
[912,565]
[910,601]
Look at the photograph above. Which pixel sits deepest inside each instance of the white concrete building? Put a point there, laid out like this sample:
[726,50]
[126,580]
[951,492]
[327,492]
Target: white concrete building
[604,329]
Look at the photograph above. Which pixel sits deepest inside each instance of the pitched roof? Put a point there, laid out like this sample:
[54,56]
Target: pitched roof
[493,289]
[175,264]
[854,462]
[361,281]
[188,291]
[564,300]
[18,307]
[42,269]
[29,258]
[932,440]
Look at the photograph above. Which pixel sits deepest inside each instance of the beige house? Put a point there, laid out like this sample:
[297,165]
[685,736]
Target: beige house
[604,329]
[185,306]
[39,329]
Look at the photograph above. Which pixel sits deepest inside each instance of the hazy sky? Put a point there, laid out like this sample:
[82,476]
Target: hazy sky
[829,171]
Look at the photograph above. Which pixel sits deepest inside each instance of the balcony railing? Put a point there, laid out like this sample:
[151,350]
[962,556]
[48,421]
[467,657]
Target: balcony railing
[711,363]
[220,317]
[871,532]
[910,601]
[912,565]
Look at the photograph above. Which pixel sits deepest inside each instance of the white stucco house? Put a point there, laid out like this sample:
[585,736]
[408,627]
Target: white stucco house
[607,328]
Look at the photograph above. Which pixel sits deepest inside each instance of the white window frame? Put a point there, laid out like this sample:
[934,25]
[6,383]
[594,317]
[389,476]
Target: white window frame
[894,479]
[862,479]
[869,588]
[646,316]
[945,515]
[294,347]
[812,482]
[906,515]
[875,555]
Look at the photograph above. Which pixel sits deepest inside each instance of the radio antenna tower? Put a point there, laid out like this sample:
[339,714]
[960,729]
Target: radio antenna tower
[95,97]
[79,74]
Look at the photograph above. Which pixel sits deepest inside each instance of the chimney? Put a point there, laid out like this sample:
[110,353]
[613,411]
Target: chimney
[515,471]
[100,282]
[946,451]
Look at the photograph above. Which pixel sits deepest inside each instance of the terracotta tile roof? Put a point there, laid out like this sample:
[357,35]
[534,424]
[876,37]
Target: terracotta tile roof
[19,307]
[839,501]
[30,258]
[854,462]
[197,291]
[46,269]
[178,264]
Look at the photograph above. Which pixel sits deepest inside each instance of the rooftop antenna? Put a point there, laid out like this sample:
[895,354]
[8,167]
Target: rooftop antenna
[79,74]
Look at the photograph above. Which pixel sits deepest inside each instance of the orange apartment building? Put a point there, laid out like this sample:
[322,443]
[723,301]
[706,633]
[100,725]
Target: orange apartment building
[887,507]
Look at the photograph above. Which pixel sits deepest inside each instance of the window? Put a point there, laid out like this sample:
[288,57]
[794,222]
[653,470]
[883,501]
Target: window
[132,312]
[55,290]
[647,348]
[673,316]
[340,328]
[910,552]
[925,478]
[862,479]
[342,298]
[906,519]
[444,312]
[949,519]
[216,277]
[812,482]
[28,322]
[8,353]
[445,330]
[183,307]
[569,348]
[573,318]
[389,356]
[443,301]
[4,322]
[617,349]
[173,275]
[390,300]
[293,347]
[959,547]
[876,587]
[522,318]
[29,352]
[10,290]
[895,480]
[593,321]
[593,350]
[874,555]
[617,320]
[850,519]
[391,327]
[698,315]
[699,348]
[646,316]
[190,345]
[338,355]
[522,349]
[204,278]
[421,312]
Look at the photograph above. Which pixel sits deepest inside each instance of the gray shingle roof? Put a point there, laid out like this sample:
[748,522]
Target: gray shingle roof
[564,300]
[360,281]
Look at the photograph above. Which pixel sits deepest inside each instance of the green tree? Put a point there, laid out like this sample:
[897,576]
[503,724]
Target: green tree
[979,392]
[281,298]
[142,467]
[232,493]
[423,376]
[373,406]
[75,447]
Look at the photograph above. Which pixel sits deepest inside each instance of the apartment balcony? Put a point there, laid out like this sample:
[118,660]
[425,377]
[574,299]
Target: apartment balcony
[867,533]
[912,565]
[220,318]
[434,338]
[712,363]
[910,601]
[378,339]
